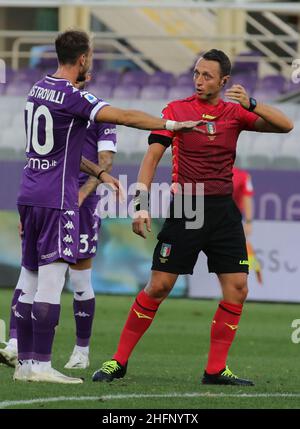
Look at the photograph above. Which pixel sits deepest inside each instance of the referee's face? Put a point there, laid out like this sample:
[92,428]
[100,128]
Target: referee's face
[207,79]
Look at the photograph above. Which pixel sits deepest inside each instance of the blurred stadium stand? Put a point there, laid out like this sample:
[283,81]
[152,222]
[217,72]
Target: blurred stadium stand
[143,59]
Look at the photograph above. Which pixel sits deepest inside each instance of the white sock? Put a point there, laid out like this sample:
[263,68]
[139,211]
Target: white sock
[84,350]
[13,344]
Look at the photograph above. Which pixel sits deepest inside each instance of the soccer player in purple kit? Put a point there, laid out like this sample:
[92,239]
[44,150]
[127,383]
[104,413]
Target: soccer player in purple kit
[99,147]
[56,119]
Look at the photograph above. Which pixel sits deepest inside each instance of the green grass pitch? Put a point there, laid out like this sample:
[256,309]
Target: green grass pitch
[168,362]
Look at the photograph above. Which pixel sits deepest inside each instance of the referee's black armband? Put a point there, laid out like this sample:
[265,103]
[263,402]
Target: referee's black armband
[141,201]
[158,138]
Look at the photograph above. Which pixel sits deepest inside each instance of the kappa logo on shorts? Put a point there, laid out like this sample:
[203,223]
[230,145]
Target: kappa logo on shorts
[68,252]
[68,239]
[69,212]
[244,262]
[165,250]
[69,225]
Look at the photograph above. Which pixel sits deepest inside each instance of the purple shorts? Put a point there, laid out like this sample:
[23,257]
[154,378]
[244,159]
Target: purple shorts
[49,234]
[89,224]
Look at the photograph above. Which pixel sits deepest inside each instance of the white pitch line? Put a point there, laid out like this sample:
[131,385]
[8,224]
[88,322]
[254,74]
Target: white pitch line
[6,404]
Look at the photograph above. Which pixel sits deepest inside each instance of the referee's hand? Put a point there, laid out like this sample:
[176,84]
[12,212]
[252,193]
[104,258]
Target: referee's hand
[141,218]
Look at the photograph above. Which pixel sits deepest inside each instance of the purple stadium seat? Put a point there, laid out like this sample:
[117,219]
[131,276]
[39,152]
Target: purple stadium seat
[19,89]
[266,94]
[273,82]
[178,92]
[100,90]
[126,92]
[109,77]
[290,86]
[27,75]
[135,77]
[184,79]
[161,78]
[246,66]
[247,81]
[153,92]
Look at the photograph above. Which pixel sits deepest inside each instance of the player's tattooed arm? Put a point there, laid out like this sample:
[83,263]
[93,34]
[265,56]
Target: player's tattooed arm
[105,161]
[96,171]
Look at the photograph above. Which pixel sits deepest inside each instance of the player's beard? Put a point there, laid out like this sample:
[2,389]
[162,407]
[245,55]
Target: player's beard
[81,76]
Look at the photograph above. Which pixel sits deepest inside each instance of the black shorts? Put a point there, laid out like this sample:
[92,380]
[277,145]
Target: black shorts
[221,238]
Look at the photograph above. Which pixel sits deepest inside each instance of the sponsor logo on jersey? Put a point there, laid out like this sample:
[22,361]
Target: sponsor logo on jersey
[209,117]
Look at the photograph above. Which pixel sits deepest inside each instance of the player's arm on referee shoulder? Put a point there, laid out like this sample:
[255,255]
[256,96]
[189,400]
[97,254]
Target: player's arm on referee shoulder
[271,119]
[141,200]
[142,120]
[105,162]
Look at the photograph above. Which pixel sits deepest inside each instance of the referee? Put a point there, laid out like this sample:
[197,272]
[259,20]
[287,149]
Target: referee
[207,158]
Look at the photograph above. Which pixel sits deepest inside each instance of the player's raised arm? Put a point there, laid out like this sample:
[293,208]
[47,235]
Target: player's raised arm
[142,120]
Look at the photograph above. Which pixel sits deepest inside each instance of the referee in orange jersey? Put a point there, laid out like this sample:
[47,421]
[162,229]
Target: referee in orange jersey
[207,158]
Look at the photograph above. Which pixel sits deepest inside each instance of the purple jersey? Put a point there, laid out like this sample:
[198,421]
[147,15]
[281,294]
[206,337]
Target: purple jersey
[99,137]
[56,118]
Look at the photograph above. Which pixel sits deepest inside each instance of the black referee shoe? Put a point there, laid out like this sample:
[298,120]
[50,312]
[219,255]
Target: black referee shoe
[110,370]
[225,376]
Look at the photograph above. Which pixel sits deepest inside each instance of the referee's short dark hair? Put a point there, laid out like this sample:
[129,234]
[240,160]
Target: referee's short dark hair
[221,58]
[70,45]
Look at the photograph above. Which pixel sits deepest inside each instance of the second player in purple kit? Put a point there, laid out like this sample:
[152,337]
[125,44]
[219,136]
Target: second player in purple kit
[99,147]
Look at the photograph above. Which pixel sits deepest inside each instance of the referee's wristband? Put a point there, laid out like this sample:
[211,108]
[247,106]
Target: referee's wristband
[141,201]
[170,125]
[99,175]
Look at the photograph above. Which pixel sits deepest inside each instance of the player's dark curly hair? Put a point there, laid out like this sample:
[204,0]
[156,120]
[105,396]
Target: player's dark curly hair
[221,58]
[70,45]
